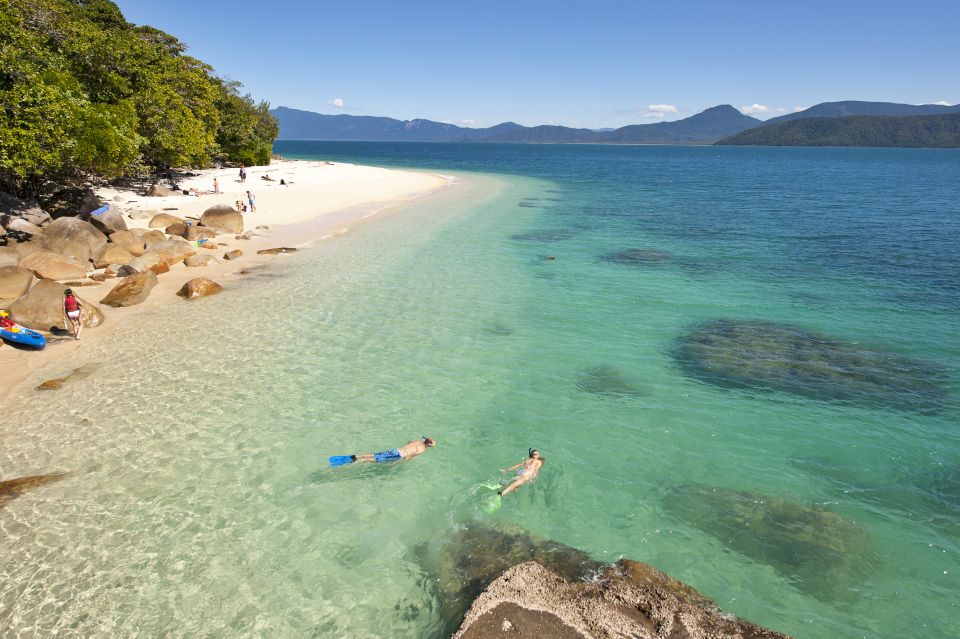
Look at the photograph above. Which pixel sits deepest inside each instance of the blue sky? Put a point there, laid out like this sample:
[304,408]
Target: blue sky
[587,64]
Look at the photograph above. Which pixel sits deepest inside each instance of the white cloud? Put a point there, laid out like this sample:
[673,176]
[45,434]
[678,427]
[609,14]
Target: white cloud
[755,109]
[943,103]
[660,110]
[467,122]
[337,102]
[798,109]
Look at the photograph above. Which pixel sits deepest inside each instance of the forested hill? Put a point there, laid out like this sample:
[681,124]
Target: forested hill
[918,131]
[859,107]
[83,92]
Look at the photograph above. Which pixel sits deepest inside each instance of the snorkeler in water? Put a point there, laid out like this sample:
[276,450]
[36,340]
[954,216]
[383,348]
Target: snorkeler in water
[395,455]
[527,471]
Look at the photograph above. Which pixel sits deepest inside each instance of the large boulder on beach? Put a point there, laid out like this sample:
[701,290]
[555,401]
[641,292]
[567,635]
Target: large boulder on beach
[23,226]
[159,190]
[127,240]
[163,220]
[131,290]
[112,254]
[177,228]
[14,282]
[149,235]
[155,261]
[9,256]
[109,221]
[54,266]
[199,287]
[223,217]
[70,202]
[195,233]
[12,207]
[200,260]
[42,308]
[178,248]
[233,255]
[73,237]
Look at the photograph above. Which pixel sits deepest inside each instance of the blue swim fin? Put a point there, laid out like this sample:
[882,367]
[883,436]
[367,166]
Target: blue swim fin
[341,460]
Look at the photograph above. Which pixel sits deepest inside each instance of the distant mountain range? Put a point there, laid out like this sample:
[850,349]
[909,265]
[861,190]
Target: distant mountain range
[707,127]
[703,128]
[914,131]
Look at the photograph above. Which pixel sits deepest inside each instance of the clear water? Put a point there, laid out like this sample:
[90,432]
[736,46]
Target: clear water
[198,501]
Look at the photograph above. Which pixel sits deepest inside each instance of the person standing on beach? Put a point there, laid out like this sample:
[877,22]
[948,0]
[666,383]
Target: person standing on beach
[71,307]
[243,174]
[216,186]
[529,468]
[253,206]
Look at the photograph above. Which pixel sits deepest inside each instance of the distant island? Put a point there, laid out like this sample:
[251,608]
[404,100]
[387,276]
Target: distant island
[720,124]
[915,131]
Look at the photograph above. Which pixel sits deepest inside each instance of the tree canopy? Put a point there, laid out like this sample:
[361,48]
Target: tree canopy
[82,91]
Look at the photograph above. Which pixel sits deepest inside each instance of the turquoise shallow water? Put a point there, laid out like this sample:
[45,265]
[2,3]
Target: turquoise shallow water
[199,502]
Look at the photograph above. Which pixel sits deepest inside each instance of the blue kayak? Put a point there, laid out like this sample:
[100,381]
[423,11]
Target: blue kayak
[17,334]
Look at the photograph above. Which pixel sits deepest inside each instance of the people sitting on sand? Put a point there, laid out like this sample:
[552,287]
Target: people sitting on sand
[529,468]
[406,452]
[267,178]
[71,307]
[238,206]
[283,182]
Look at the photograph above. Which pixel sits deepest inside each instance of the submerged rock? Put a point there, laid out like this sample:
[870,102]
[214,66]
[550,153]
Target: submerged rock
[823,553]
[607,381]
[546,235]
[13,488]
[276,251]
[638,257]
[628,599]
[74,376]
[500,330]
[771,356]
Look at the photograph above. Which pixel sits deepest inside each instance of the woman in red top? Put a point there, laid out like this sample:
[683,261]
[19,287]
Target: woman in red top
[72,306]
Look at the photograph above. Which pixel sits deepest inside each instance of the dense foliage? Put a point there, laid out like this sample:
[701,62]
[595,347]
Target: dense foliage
[82,91]
[916,131]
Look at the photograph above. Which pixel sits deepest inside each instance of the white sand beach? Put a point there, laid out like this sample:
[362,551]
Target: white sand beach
[319,200]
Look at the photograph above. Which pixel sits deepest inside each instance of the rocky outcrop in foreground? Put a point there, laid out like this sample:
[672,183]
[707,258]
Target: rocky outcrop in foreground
[628,599]
[505,582]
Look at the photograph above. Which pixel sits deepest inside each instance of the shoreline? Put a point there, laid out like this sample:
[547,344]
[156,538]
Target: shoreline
[323,200]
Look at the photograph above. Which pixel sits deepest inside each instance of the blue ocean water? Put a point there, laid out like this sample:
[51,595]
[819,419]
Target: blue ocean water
[740,364]
[860,246]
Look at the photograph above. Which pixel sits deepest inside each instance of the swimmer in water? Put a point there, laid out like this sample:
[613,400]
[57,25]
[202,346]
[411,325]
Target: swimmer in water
[527,471]
[397,455]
